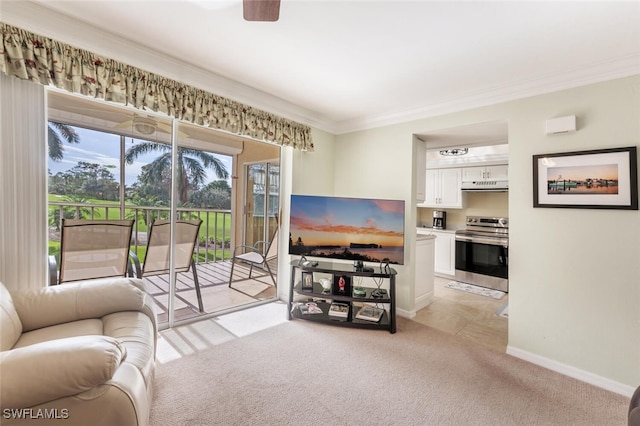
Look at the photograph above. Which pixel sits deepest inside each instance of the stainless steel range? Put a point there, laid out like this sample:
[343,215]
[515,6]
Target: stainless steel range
[482,252]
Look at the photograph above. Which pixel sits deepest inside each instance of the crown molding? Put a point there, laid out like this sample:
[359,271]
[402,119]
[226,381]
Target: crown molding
[36,17]
[39,19]
[621,67]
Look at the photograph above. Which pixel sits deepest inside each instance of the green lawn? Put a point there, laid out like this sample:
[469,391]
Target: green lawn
[219,223]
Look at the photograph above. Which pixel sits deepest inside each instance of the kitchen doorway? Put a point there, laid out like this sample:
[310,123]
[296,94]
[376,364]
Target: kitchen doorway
[470,147]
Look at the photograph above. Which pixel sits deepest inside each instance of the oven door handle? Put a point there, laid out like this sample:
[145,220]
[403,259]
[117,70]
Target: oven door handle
[480,240]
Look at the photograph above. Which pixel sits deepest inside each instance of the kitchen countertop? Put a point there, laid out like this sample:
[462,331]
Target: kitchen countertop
[427,230]
[422,237]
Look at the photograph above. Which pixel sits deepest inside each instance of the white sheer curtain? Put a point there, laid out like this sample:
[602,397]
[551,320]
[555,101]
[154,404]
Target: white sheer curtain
[23,184]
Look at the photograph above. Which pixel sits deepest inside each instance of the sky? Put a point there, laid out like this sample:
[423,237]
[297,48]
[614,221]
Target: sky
[339,221]
[104,149]
[599,171]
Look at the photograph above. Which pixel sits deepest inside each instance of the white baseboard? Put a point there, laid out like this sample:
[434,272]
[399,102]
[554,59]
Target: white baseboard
[423,301]
[576,373]
[405,314]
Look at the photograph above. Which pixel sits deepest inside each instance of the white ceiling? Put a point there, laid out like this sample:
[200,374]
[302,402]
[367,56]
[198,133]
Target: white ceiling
[349,65]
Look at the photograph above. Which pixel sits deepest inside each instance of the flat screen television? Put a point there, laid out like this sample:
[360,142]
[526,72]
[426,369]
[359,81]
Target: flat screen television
[356,229]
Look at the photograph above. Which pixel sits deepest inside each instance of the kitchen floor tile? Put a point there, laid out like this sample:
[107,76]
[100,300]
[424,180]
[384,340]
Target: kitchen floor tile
[467,316]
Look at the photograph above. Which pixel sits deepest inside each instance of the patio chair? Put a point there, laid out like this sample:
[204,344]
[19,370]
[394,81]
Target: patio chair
[257,255]
[91,249]
[156,260]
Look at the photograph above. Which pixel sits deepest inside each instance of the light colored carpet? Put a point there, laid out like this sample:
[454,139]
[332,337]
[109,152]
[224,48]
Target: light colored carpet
[304,373]
[474,289]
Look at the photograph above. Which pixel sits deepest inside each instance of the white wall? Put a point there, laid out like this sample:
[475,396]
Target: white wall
[575,295]
[379,164]
[309,173]
[313,171]
[574,273]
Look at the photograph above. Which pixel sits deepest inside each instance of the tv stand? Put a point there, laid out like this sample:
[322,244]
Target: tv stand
[358,266]
[352,301]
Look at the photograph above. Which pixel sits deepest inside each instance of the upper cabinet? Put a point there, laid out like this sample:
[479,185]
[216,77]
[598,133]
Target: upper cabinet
[474,174]
[443,188]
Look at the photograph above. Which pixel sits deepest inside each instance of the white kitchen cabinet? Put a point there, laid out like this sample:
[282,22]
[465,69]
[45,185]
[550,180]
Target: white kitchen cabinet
[421,169]
[424,282]
[443,188]
[444,253]
[475,174]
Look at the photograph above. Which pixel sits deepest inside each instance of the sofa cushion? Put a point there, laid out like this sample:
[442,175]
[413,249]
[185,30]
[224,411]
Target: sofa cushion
[10,324]
[61,331]
[50,370]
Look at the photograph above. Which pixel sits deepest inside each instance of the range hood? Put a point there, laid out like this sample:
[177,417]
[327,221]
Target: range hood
[486,185]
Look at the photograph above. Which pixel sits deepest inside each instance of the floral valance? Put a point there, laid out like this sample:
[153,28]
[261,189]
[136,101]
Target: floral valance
[45,61]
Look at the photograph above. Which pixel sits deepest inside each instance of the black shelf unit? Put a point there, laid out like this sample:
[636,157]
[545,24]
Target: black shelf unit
[388,320]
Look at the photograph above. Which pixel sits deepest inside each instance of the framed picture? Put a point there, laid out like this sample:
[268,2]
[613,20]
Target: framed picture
[307,281]
[342,285]
[599,179]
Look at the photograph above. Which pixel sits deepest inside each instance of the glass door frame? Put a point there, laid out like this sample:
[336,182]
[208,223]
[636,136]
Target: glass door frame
[248,208]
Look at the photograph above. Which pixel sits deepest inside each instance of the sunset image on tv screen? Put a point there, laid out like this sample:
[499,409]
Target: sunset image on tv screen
[370,230]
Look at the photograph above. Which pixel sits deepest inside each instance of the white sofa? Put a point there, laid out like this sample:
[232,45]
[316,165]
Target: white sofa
[80,353]
[634,408]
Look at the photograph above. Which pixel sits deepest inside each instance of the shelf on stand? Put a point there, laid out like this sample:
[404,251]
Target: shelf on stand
[388,319]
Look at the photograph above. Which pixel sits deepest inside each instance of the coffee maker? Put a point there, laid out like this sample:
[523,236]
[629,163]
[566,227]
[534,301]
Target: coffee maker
[439,219]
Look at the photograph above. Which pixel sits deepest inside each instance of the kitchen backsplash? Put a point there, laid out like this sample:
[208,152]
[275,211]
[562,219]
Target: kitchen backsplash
[476,204]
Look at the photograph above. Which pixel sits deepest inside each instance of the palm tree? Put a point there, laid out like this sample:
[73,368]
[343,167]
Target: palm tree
[192,165]
[56,147]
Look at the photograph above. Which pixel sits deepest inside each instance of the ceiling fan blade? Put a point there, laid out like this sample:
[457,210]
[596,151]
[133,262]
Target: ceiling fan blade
[261,10]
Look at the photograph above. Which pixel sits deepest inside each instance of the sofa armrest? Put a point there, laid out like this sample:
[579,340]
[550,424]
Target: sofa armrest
[80,300]
[634,409]
[46,371]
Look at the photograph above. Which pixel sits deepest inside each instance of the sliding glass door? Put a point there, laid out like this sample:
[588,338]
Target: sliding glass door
[262,200]
[107,162]
[126,164]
